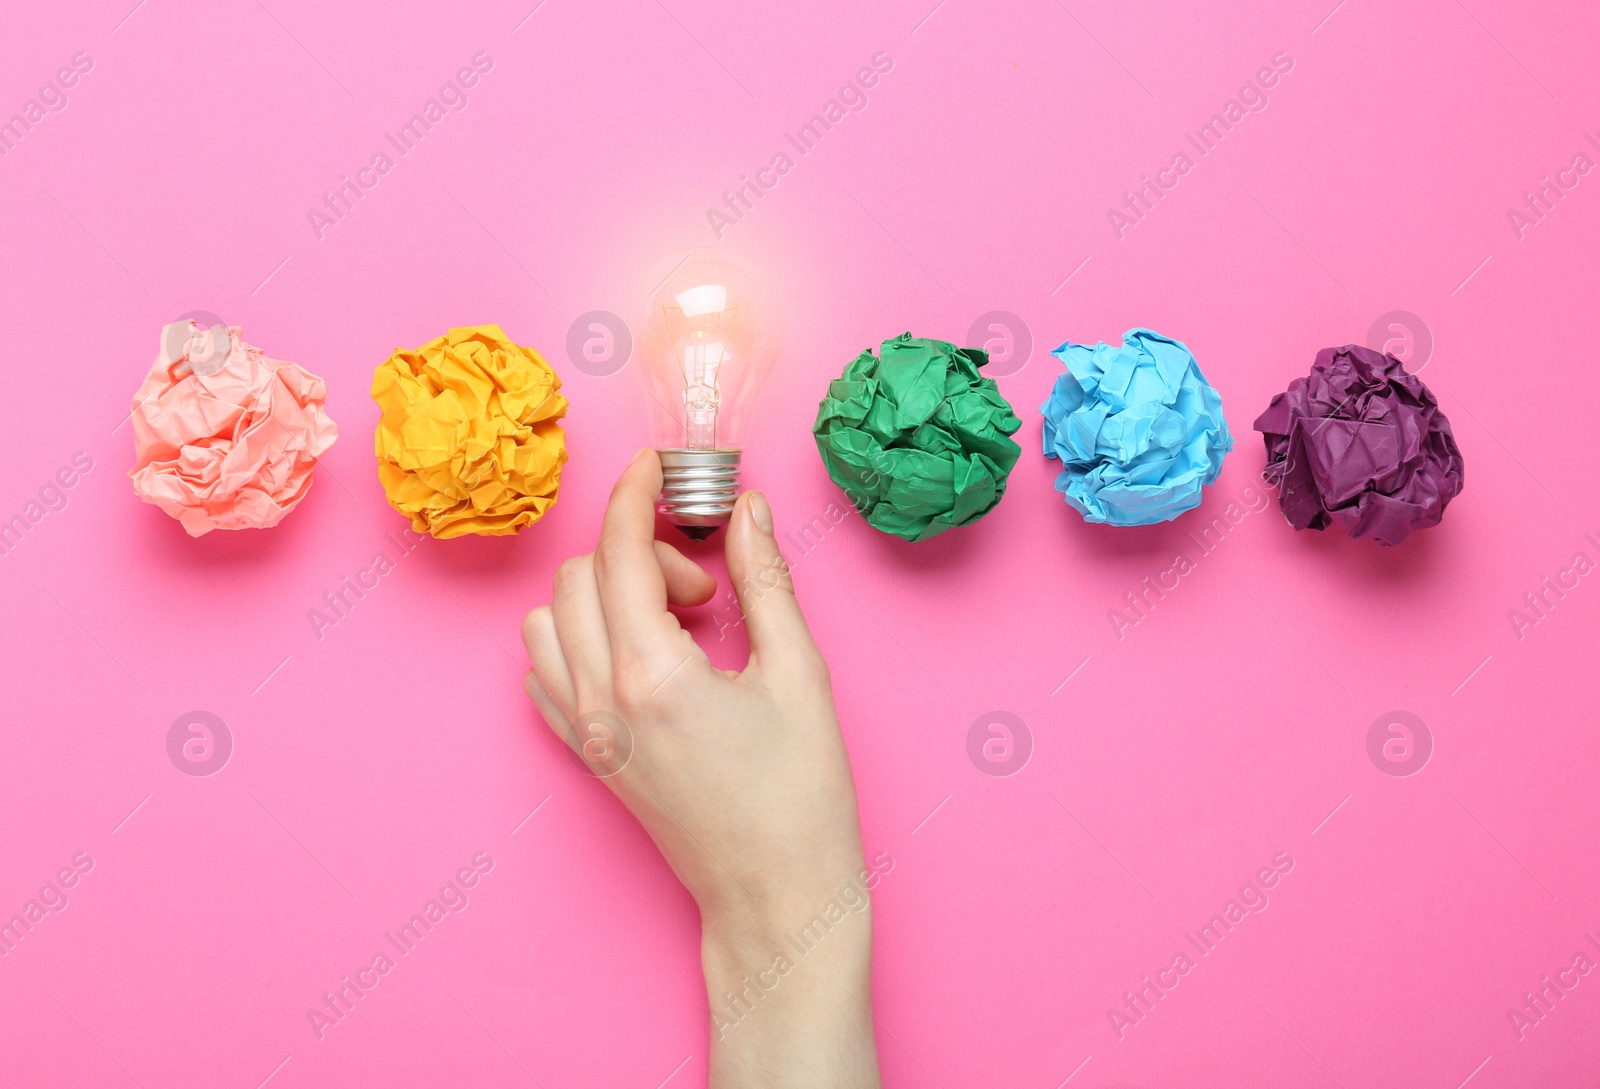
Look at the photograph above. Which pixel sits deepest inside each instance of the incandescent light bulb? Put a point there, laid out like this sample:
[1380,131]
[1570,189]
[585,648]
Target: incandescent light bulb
[706,349]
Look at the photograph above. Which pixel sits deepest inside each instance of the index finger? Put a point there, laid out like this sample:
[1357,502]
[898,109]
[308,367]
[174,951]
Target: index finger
[633,591]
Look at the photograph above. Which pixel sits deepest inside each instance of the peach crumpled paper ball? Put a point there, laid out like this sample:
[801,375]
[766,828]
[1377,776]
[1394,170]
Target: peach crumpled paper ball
[225,437]
[469,440]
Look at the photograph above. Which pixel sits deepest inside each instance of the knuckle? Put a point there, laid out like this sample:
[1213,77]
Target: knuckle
[571,573]
[773,570]
[764,580]
[609,554]
[534,623]
[812,671]
[634,686]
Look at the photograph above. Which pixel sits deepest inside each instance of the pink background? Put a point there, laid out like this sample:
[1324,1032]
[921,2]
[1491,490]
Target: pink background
[1226,726]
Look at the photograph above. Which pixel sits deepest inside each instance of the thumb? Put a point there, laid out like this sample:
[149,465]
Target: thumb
[760,576]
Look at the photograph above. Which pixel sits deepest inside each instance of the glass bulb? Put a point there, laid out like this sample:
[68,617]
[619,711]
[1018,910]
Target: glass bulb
[706,349]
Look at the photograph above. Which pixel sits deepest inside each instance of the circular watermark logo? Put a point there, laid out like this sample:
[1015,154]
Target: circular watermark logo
[1399,743]
[999,743]
[200,337]
[1006,338]
[601,743]
[1403,335]
[199,743]
[599,343]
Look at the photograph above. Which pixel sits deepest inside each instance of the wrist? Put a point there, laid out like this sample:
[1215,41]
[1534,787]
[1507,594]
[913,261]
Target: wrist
[791,916]
[786,952]
[790,989]
[743,939]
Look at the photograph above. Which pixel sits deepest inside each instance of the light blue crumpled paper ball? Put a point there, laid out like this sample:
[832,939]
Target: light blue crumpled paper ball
[1138,429]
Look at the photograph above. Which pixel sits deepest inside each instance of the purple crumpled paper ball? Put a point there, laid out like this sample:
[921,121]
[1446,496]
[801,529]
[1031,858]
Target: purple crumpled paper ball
[1360,444]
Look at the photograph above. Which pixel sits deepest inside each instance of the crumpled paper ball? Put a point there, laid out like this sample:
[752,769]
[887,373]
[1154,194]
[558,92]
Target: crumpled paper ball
[1360,444]
[225,437]
[468,441]
[1138,429]
[918,439]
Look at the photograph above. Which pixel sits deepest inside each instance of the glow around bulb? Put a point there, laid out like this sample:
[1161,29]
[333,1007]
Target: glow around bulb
[707,347]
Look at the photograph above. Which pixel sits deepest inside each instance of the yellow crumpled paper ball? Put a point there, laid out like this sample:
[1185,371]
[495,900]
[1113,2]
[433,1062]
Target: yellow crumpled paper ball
[468,441]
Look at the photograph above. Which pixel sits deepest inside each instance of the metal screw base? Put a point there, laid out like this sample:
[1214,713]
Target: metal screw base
[698,488]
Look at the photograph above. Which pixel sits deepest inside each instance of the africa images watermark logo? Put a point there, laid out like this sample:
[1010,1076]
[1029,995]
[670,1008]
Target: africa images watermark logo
[1405,336]
[599,343]
[1539,603]
[852,97]
[200,339]
[452,97]
[52,97]
[600,743]
[51,497]
[51,900]
[1006,338]
[1541,200]
[999,743]
[1399,743]
[1253,897]
[454,897]
[838,912]
[199,743]
[1253,97]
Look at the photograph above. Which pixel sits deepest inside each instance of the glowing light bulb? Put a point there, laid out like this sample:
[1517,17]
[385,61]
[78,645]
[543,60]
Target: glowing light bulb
[706,349]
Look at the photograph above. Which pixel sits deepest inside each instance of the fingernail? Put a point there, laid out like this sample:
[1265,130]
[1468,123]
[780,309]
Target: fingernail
[761,512]
[637,454]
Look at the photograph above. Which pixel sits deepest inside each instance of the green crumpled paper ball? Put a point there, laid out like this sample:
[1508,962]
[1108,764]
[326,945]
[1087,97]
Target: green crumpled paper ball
[918,439]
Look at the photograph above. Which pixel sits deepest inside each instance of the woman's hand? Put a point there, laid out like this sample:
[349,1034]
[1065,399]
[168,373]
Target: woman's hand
[740,778]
